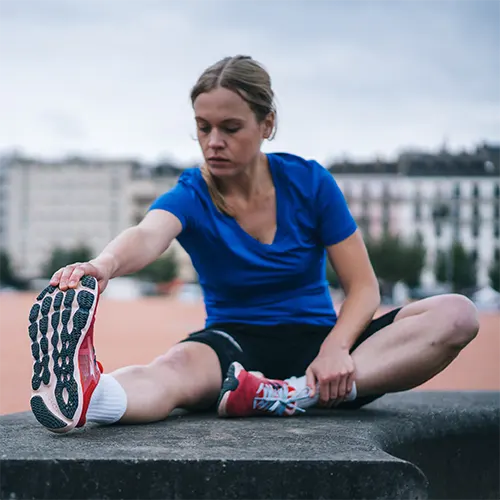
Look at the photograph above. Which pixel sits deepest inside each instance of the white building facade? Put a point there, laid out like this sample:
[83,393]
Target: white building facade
[442,209]
[75,202]
[60,204]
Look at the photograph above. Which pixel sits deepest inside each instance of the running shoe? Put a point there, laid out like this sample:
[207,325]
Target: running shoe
[244,394]
[65,369]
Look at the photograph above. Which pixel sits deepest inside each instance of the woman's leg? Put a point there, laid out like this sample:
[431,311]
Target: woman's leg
[68,389]
[423,339]
[186,376]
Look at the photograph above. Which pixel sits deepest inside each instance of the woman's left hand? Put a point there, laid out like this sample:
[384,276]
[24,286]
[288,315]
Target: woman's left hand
[333,370]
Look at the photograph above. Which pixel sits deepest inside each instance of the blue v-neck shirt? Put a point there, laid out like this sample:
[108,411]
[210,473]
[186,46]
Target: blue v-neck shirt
[245,281]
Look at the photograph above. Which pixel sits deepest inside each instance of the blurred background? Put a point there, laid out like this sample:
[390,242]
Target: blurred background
[399,100]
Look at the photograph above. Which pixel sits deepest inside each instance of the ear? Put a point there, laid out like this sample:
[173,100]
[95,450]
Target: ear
[269,125]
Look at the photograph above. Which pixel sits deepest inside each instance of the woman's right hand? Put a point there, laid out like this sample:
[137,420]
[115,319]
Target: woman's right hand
[69,276]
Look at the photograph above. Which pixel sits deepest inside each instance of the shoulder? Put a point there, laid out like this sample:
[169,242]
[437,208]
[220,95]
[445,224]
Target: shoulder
[191,184]
[304,172]
[183,194]
[191,177]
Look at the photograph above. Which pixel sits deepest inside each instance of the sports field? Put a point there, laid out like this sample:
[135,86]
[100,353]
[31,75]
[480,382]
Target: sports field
[134,332]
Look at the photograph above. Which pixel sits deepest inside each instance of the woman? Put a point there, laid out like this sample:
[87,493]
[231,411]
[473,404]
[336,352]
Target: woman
[258,229]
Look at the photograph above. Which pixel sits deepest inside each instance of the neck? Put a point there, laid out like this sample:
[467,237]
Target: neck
[252,181]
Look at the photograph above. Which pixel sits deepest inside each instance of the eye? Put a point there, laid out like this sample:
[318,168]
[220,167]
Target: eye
[231,130]
[205,129]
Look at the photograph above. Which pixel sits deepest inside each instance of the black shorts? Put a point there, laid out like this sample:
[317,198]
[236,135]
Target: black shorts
[278,351]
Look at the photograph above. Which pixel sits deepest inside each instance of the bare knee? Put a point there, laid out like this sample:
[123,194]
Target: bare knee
[460,317]
[191,367]
[173,363]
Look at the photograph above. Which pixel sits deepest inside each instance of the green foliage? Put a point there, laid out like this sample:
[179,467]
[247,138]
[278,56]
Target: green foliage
[494,274]
[61,257]
[395,260]
[458,266]
[6,273]
[392,259]
[162,270]
[415,262]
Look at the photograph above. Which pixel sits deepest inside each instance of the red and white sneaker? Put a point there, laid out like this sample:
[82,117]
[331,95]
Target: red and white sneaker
[65,371]
[244,394]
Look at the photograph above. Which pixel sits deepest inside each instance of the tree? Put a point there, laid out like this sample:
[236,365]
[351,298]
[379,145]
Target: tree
[415,262]
[494,274]
[395,260]
[61,257]
[6,273]
[162,270]
[457,265]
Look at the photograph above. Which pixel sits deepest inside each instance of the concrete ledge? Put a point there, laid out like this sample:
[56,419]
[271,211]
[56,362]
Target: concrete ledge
[409,445]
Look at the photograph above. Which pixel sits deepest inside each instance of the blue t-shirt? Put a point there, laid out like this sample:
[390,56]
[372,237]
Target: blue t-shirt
[245,281]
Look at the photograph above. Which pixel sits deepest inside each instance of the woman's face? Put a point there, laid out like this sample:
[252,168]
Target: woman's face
[228,132]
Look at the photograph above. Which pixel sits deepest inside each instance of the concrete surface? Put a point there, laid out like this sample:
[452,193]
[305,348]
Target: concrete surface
[409,445]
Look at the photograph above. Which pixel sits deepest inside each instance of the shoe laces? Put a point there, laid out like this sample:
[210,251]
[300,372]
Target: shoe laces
[276,397]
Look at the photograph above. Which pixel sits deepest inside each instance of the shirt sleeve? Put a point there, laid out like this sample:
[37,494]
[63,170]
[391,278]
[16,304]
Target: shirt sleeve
[335,221]
[179,202]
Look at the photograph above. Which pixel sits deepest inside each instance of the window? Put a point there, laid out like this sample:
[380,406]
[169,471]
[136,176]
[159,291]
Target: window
[418,206]
[364,206]
[496,191]
[364,226]
[418,210]
[476,220]
[347,193]
[475,228]
[475,191]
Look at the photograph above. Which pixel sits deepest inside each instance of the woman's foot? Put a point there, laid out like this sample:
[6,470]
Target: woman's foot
[245,394]
[65,370]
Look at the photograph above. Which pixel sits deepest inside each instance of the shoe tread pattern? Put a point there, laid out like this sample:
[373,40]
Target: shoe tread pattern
[64,342]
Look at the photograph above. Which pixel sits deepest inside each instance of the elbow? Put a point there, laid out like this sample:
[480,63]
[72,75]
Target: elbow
[371,294]
[377,299]
[367,291]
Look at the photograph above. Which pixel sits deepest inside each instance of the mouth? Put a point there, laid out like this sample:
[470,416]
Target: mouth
[217,159]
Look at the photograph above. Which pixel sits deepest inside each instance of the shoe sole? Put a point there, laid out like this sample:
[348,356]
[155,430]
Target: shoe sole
[230,384]
[58,325]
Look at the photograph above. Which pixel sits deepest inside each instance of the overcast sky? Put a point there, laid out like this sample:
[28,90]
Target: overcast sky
[355,78]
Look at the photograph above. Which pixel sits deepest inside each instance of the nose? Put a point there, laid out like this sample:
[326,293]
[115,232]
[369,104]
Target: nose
[215,140]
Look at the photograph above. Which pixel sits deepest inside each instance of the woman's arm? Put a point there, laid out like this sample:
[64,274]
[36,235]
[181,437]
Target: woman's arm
[130,251]
[138,246]
[333,369]
[350,261]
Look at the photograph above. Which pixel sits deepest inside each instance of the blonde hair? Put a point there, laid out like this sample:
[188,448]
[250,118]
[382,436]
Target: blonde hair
[250,80]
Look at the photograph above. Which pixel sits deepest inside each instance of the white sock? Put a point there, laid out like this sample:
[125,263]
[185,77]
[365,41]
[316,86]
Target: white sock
[300,384]
[108,402]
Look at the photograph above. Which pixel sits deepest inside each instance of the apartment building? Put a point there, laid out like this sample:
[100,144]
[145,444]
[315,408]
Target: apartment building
[75,201]
[444,198]
[64,203]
